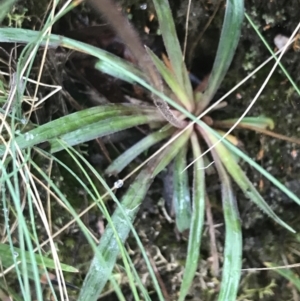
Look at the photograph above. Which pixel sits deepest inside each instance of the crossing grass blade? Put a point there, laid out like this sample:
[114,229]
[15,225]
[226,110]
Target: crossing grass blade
[10,183]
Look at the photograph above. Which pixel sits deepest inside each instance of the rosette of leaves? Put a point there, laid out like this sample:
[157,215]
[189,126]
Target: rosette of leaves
[176,106]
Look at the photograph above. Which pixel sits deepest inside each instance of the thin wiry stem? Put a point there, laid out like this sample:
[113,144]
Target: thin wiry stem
[200,35]
[186,28]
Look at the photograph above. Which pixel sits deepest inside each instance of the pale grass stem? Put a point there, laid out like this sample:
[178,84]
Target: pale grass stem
[186,29]
[34,101]
[288,266]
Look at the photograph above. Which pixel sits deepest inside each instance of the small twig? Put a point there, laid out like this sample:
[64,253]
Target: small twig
[158,277]
[104,150]
[289,266]
[186,28]
[212,236]
[199,37]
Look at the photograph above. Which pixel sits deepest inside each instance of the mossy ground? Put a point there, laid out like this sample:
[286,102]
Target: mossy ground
[263,240]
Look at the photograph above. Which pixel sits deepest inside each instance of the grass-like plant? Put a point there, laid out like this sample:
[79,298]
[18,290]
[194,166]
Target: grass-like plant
[173,117]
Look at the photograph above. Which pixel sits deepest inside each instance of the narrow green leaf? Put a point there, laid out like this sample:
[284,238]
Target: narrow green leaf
[229,39]
[197,221]
[287,274]
[233,236]
[167,28]
[130,154]
[241,179]
[87,124]
[171,80]
[7,260]
[261,122]
[181,191]
[100,129]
